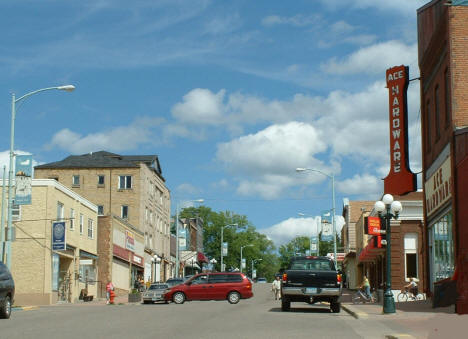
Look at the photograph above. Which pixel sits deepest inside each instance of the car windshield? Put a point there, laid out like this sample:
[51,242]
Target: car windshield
[313,265]
[158,286]
[261,279]
[173,282]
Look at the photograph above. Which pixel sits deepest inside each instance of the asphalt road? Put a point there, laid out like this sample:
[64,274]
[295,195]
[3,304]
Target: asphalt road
[258,317]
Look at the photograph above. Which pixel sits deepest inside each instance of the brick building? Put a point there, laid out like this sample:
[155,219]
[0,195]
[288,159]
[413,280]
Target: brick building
[443,63]
[131,187]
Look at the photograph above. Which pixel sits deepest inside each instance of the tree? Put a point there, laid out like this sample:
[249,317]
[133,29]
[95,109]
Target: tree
[296,246]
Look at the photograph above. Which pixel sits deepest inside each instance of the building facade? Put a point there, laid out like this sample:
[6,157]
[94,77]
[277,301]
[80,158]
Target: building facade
[45,276]
[443,63]
[130,187]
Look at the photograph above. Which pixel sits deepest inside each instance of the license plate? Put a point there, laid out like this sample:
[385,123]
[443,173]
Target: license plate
[156,297]
[311,290]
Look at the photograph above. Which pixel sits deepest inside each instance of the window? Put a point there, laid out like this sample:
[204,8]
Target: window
[87,273]
[447,98]
[125,181]
[81,223]
[76,180]
[59,211]
[437,112]
[72,219]
[411,255]
[124,212]
[442,248]
[90,229]
[428,126]
[16,212]
[100,180]
[100,210]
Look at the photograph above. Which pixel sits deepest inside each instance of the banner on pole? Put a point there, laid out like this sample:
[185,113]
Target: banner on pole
[59,236]
[327,227]
[23,178]
[225,249]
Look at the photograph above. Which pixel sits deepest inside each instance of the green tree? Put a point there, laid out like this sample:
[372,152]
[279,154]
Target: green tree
[296,246]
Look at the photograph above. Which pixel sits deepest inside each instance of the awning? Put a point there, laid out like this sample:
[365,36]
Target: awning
[88,255]
[202,258]
[371,251]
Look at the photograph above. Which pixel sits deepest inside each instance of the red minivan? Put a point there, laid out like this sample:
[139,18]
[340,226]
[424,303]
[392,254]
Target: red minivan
[230,286]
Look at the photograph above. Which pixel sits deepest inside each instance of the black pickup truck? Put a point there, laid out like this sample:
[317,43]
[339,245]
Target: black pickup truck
[311,279]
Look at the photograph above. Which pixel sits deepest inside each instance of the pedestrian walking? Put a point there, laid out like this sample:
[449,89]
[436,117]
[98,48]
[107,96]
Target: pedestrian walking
[109,288]
[366,286]
[276,288]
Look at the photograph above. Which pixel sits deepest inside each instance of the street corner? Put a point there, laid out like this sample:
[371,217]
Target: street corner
[354,311]
[24,308]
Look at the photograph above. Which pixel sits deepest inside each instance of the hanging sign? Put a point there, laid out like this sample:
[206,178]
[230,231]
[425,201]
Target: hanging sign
[327,227]
[58,236]
[400,179]
[23,175]
[225,249]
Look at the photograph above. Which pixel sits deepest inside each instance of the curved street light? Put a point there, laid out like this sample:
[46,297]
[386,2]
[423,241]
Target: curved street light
[242,247]
[14,100]
[387,208]
[156,260]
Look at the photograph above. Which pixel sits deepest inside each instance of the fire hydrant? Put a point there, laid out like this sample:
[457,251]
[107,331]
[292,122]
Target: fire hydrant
[111,297]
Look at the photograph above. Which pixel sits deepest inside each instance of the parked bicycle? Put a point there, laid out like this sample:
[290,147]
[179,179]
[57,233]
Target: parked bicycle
[361,297]
[406,295]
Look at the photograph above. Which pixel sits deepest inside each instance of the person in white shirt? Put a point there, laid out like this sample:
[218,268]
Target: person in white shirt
[276,288]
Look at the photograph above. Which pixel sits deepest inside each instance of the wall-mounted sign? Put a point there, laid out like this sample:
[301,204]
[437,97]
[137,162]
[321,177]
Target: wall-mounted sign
[438,188]
[59,236]
[400,179]
[372,226]
[129,241]
[23,175]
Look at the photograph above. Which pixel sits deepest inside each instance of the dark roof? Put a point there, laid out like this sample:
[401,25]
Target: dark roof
[103,159]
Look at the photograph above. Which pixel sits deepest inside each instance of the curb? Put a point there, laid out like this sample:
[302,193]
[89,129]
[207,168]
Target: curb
[351,312]
[24,308]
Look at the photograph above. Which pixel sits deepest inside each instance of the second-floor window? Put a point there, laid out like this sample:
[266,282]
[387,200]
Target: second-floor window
[124,212]
[72,219]
[100,180]
[100,210]
[90,229]
[76,180]
[125,181]
[81,223]
[59,211]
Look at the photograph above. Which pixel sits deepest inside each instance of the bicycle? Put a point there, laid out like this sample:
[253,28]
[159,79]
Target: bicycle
[361,297]
[407,295]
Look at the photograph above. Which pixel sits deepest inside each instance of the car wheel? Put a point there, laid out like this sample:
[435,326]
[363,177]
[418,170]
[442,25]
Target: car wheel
[285,304]
[146,302]
[335,307]
[5,308]
[233,297]
[178,298]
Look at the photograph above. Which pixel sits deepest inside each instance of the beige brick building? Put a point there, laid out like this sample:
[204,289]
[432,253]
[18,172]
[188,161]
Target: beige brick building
[43,276]
[131,187]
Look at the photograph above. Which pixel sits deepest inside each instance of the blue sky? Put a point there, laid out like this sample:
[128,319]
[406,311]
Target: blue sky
[231,95]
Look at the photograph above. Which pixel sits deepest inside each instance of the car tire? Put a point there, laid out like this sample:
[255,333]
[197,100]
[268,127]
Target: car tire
[5,308]
[285,304]
[233,297]
[335,307]
[147,302]
[178,298]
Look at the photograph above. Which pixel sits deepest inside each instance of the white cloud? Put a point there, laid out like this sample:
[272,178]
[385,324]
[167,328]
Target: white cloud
[374,59]
[200,106]
[361,184]
[187,189]
[298,20]
[5,161]
[118,139]
[402,6]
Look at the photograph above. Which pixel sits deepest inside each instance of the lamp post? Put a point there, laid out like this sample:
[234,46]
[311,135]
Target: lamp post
[156,260]
[213,263]
[254,261]
[222,240]
[332,177]
[177,233]
[242,247]
[67,88]
[387,209]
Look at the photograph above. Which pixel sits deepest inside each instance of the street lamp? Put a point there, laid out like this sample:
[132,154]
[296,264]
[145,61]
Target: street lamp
[67,88]
[332,177]
[177,233]
[222,229]
[254,261]
[387,209]
[156,260]
[242,247]
[213,263]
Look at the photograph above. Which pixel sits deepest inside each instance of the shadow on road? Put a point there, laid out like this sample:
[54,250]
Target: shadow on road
[302,310]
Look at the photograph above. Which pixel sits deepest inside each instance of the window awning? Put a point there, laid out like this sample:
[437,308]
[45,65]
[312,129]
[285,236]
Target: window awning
[202,258]
[88,255]
[371,251]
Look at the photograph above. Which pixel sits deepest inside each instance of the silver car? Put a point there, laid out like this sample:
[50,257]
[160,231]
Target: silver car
[154,293]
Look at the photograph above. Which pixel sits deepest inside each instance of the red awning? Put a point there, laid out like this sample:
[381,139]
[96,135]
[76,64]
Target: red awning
[202,258]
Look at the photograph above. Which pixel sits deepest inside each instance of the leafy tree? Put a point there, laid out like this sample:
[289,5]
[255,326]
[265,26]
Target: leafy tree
[296,246]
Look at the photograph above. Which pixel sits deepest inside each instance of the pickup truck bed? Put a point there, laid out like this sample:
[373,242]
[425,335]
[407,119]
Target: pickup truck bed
[311,280]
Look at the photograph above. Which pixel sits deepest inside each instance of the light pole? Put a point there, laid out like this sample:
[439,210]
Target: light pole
[242,247]
[177,233]
[67,88]
[213,263]
[222,240]
[156,260]
[385,207]
[332,177]
[254,261]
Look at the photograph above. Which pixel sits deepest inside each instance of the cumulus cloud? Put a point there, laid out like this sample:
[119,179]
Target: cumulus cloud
[374,59]
[200,106]
[364,184]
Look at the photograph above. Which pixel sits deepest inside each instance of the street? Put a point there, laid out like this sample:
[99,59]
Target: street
[258,317]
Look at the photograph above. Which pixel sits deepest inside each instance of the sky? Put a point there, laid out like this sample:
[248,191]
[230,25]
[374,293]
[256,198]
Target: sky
[232,96]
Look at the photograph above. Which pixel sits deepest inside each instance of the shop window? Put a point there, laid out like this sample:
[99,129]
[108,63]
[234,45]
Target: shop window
[87,273]
[442,248]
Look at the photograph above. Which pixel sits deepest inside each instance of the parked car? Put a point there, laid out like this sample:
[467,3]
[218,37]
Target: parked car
[230,286]
[174,281]
[262,280]
[7,291]
[154,293]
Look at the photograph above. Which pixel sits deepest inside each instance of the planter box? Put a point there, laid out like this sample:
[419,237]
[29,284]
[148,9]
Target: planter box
[134,297]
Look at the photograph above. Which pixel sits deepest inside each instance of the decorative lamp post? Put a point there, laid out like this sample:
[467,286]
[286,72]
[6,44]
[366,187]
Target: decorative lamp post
[387,209]
[254,261]
[242,247]
[67,88]
[156,260]
[332,177]
[222,240]
[177,233]
[213,263]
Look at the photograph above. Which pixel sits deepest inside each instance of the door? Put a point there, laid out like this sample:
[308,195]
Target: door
[198,288]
